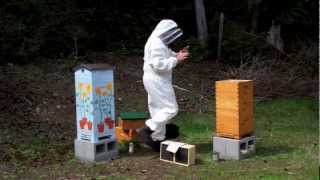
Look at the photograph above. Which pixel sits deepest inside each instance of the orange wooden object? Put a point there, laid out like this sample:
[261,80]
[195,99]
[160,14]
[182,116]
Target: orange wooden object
[125,135]
[126,129]
[234,108]
[131,124]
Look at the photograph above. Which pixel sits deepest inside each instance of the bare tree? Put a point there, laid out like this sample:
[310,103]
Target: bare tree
[274,36]
[201,22]
[254,8]
[220,36]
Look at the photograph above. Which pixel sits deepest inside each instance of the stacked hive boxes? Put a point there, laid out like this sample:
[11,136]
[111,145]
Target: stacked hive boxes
[234,108]
[95,112]
[234,117]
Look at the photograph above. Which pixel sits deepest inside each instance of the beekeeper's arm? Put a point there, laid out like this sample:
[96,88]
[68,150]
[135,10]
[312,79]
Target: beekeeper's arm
[173,53]
[159,62]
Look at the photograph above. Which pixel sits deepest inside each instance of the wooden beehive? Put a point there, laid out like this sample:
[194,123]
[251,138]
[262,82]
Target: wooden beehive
[234,108]
[132,120]
[128,122]
[125,135]
[185,155]
[95,105]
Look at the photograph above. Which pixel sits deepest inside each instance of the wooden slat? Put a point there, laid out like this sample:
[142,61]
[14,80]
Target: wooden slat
[131,124]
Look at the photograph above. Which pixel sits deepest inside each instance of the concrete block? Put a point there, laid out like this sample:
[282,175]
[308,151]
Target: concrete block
[89,152]
[236,149]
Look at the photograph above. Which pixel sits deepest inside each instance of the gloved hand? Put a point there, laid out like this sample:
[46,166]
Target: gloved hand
[183,54]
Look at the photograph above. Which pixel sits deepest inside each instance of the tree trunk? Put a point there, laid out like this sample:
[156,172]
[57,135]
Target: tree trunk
[201,22]
[253,6]
[220,36]
[274,37]
[254,21]
[75,47]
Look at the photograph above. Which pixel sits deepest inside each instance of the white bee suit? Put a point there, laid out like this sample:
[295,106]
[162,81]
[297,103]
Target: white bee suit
[159,61]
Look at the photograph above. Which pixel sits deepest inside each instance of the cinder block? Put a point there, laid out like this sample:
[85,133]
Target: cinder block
[89,152]
[236,149]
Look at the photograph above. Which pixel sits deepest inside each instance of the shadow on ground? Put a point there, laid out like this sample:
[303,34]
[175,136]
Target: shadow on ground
[272,150]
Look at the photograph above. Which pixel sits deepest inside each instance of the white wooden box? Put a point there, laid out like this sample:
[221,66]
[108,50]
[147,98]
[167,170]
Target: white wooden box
[185,155]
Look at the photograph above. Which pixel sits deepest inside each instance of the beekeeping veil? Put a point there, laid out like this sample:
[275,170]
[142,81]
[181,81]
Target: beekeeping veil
[167,30]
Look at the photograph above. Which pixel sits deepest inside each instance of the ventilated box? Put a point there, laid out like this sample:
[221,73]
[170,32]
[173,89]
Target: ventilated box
[234,108]
[185,154]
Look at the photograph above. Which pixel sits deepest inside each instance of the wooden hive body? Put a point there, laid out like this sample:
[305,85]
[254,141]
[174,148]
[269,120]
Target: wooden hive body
[128,122]
[234,108]
[95,102]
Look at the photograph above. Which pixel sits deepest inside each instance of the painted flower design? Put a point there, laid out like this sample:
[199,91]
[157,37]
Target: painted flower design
[89,125]
[101,127]
[89,88]
[98,90]
[109,86]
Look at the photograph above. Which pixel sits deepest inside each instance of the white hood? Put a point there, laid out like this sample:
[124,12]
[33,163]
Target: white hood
[167,30]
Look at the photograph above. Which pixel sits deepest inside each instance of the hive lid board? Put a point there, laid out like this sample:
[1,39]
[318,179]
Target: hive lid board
[92,67]
[133,115]
[174,146]
[235,80]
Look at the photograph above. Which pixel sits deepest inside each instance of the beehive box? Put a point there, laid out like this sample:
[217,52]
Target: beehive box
[132,120]
[125,135]
[184,155]
[95,108]
[128,122]
[234,108]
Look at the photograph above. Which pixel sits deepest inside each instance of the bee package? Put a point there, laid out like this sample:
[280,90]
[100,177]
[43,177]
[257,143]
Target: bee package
[177,153]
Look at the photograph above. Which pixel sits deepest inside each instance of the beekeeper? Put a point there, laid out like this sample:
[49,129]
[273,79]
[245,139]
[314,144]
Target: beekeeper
[159,61]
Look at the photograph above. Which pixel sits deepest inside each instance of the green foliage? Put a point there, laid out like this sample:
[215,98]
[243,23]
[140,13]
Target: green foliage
[46,28]
[195,49]
[287,11]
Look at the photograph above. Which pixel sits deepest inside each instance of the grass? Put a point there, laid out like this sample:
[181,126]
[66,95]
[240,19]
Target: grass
[287,148]
[287,143]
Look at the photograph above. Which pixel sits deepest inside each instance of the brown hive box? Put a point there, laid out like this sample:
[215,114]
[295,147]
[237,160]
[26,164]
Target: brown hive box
[132,120]
[128,122]
[234,108]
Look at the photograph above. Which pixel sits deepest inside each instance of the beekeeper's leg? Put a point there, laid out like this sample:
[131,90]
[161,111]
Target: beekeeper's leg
[152,109]
[162,105]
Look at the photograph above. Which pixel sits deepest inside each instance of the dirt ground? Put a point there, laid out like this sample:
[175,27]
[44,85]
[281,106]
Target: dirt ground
[37,107]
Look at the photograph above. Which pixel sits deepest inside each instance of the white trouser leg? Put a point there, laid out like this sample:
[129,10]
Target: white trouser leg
[162,105]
